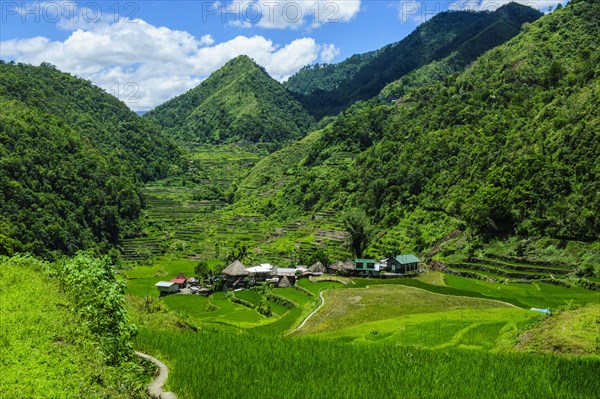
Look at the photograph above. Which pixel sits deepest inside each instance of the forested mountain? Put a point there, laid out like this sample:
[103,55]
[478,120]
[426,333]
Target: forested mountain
[326,90]
[238,103]
[328,77]
[71,157]
[509,146]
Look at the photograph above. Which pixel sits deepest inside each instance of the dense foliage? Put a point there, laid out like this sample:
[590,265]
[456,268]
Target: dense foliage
[71,157]
[238,103]
[98,299]
[328,77]
[332,88]
[509,146]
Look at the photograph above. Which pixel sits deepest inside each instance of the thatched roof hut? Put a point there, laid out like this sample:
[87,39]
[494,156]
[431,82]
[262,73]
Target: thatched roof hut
[235,269]
[284,283]
[341,267]
[317,268]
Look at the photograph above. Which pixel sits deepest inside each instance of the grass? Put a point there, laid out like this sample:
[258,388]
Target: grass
[438,334]
[317,287]
[236,365]
[489,329]
[539,295]
[46,350]
[251,296]
[355,314]
[574,331]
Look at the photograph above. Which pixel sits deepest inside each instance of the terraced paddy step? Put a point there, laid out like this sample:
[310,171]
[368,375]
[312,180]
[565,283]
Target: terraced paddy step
[530,262]
[331,235]
[523,266]
[495,271]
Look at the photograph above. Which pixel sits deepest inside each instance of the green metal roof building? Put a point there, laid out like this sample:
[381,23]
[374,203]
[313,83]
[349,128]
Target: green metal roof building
[403,264]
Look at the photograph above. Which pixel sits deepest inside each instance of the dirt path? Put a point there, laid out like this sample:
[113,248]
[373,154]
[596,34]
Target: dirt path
[310,315]
[155,389]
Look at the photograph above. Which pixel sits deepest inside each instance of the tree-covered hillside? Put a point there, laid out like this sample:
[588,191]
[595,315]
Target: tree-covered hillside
[238,103]
[328,77]
[511,145]
[71,157]
[326,90]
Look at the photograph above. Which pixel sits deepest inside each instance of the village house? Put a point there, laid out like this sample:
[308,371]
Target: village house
[193,281]
[263,272]
[287,274]
[167,287]
[180,280]
[317,269]
[368,266]
[340,267]
[403,264]
[235,274]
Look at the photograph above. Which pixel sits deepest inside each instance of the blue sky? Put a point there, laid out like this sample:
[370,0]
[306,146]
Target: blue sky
[146,52]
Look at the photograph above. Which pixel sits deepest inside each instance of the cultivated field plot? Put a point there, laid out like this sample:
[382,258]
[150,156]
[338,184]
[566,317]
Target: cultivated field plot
[235,364]
[443,337]
[407,316]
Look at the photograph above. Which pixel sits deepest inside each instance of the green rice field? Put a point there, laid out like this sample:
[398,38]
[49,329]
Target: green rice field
[225,364]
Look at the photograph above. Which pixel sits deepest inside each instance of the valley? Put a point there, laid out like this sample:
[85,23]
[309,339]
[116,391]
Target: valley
[420,221]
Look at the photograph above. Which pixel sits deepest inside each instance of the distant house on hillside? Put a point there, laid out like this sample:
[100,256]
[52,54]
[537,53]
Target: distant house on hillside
[403,264]
[167,287]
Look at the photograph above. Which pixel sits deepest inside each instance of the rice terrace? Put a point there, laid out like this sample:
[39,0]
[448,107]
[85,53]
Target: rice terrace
[401,204]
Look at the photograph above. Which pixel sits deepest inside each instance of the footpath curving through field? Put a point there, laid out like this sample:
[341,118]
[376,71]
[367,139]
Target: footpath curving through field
[155,389]
[312,313]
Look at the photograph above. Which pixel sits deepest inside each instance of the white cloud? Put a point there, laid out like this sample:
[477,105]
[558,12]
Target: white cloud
[145,65]
[282,14]
[329,52]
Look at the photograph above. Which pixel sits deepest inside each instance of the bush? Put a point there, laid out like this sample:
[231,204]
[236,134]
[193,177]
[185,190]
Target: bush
[99,300]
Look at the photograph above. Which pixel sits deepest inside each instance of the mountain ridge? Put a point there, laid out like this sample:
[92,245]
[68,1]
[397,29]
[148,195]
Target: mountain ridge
[435,39]
[509,146]
[239,102]
[72,160]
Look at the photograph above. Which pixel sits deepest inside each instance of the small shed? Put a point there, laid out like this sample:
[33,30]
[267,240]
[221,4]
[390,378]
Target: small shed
[180,280]
[403,264]
[167,287]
